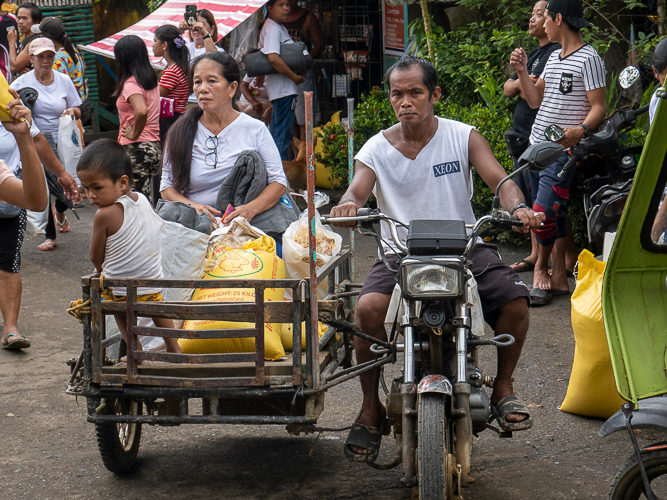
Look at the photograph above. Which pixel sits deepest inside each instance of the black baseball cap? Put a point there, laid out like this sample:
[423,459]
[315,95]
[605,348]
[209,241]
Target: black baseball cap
[52,27]
[571,10]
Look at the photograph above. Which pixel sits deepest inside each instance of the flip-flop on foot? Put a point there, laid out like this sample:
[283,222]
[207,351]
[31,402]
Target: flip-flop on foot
[523,266]
[365,437]
[539,297]
[19,342]
[508,406]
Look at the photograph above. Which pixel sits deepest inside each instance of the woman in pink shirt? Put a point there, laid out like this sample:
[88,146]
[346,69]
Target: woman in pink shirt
[138,103]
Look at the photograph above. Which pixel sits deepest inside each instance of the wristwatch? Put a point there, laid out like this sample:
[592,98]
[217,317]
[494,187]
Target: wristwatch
[518,207]
[587,130]
[208,35]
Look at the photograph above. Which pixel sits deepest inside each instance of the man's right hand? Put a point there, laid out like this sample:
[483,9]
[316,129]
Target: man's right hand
[347,209]
[519,60]
[12,36]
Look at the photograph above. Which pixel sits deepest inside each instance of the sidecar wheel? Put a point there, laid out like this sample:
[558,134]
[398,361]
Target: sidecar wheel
[434,458]
[119,442]
[628,483]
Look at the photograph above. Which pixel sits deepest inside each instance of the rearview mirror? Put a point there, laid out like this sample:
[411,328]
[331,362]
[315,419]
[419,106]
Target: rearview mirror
[554,133]
[539,156]
[628,77]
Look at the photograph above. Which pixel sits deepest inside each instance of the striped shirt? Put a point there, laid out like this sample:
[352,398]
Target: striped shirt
[175,80]
[566,82]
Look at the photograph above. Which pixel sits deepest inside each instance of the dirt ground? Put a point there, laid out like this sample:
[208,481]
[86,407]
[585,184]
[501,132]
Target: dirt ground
[48,451]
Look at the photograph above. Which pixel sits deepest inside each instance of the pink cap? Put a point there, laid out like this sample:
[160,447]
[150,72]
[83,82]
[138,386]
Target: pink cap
[41,45]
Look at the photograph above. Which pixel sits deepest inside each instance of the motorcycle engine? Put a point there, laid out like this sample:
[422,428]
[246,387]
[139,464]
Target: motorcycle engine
[480,404]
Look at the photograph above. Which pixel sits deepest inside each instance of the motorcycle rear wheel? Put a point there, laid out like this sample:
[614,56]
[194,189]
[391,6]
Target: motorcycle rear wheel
[118,443]
[436,478]
[628,483]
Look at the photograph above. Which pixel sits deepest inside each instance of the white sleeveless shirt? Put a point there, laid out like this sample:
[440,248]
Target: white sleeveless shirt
[435,185]
[134,251]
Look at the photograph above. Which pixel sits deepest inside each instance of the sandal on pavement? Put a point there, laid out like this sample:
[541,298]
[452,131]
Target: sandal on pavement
[366,437]
[523,266]
[539,297]
[47,246]
[19,342]
[63,226]
[560,292]
[508,406]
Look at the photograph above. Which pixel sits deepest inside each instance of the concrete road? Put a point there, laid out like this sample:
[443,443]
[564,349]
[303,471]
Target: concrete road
[48,451]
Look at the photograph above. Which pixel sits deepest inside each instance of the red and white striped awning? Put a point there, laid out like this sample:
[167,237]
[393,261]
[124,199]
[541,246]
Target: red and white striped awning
[228,15]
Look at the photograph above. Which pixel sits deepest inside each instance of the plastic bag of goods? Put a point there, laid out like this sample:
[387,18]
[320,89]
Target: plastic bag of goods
[592,388]
[249,263]
[295,246]
[239,234]
[70,144]
[287,337]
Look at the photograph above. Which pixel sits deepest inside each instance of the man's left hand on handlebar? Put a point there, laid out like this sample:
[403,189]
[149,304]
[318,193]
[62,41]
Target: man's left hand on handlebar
[530,219]
[346,209]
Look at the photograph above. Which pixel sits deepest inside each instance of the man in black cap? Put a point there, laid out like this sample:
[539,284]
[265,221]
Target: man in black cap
[571,93]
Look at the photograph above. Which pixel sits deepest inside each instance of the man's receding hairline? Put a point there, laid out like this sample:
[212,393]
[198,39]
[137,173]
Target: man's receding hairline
[407,70]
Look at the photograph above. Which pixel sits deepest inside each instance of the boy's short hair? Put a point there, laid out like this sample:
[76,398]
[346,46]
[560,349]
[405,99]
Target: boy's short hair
[108,158]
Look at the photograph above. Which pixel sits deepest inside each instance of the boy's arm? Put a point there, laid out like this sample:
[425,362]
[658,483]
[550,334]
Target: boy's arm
[105,224]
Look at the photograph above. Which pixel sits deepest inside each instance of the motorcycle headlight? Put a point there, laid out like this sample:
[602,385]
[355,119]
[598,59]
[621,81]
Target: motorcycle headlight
[429,280]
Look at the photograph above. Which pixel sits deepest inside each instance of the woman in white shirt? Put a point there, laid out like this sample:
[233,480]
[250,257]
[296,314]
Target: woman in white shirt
[204,144]
[57,96]
[280,87]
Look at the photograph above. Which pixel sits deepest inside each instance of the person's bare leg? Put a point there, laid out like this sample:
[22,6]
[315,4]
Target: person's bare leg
[122,326]
[513,320]
[11,285]
[558,269]
[517,266]
[170,344]
[371,311]
[541,278]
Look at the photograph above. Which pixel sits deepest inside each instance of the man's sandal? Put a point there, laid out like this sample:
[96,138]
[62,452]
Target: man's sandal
[523,266]
[508,406]
[19,342]
[63,226]
[365,437]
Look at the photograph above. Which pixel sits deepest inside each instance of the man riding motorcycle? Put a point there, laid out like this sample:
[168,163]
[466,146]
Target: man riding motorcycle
[419,169]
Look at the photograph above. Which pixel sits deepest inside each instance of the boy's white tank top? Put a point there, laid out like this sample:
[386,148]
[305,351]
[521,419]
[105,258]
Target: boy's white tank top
[134,251]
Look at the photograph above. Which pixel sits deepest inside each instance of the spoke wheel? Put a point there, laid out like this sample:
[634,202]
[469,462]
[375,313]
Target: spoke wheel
[628,483]
[119,442]
[435,462]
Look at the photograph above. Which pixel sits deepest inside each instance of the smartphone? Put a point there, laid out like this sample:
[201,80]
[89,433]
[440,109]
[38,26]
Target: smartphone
[191,14]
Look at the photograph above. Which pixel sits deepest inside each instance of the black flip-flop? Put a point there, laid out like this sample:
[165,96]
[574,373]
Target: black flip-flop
[365,437]
[527,266]
[539,297]
[508,406]
[560,292]
[19,342]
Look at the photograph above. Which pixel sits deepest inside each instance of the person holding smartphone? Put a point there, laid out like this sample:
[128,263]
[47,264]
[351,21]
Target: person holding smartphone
[203,35]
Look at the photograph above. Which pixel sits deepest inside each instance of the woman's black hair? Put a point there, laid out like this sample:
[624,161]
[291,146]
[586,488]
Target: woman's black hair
[132,58]
[210,19]
[67,45]
[181,135]
[553,15]
[180,55]
[660,57]
[108,158]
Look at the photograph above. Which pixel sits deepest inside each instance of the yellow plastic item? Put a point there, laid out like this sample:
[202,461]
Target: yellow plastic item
[323,174]
[288,339]
[592,389]
[238,264]
[5,98]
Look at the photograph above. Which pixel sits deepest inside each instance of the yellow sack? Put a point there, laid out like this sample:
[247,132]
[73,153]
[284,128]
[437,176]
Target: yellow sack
[592,389]
[5,98]
[238,264]
[287,337]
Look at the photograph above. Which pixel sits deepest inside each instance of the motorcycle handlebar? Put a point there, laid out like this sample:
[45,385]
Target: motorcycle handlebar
[570,163]
[642,110]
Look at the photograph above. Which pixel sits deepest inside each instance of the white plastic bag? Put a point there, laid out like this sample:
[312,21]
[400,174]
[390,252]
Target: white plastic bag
[183,257]
[70,145]
[295,246]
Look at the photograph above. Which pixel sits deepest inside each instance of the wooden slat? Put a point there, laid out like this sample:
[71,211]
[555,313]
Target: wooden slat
[175,333]
[171,357]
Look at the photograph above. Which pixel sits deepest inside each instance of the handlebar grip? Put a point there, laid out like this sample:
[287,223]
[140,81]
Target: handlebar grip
[570,163]
[364,212]
[642,110]
[515,221]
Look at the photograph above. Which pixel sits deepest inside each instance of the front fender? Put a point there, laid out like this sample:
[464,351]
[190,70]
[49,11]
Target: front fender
[652,414]
[435,383]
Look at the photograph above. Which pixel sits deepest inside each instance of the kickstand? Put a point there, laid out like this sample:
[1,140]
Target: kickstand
[627,411]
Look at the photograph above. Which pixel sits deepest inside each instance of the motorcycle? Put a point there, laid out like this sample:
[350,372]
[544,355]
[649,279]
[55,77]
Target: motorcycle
[608,168]
[439,401]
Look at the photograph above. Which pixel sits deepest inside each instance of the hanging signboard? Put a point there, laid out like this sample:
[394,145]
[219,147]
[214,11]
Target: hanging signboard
[393,28]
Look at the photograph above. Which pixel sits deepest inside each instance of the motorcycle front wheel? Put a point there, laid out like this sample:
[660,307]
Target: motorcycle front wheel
[434,459]
[628,483]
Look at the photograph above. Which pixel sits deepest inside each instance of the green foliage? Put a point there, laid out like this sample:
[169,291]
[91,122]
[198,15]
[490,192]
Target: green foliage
[154,4]
[334,156]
